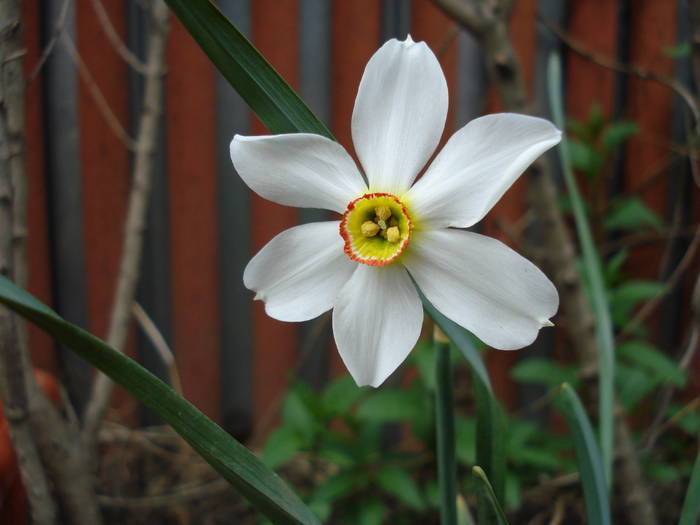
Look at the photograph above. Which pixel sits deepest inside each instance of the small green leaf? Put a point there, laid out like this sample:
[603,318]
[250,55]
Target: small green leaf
[340,395]
[397,482]
[392,404]
[613,268]
[336,487]
[233,461]
[298,415]
[626,296]
[543,371]
[631,214]
[585,158]
[370,512]
[653,361]
[281,446]
[680,50]
[617,133]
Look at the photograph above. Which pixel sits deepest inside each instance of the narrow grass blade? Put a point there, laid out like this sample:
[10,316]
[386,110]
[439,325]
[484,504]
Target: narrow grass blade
[445,434]
[263,89]
[588,457]
[461,340]
[497,515]
[263,488]
[691,504]
[490,447]
[594,273]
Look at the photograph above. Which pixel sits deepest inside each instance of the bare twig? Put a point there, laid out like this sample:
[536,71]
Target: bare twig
[134,227]
[630,69]
[648,308]
[97,95]
[115,39]
[159,343]
[48,48]
[182,495]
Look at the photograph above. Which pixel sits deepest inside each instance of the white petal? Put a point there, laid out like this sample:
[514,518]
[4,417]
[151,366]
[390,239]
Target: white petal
[476,167]
[483,285]
[377,319]
[298,169]
[399,114]
[298,273]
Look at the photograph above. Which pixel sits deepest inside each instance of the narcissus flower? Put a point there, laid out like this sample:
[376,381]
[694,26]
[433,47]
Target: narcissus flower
[394,229]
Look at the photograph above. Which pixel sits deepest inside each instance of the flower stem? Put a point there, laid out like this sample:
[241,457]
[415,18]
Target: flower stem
[445,427]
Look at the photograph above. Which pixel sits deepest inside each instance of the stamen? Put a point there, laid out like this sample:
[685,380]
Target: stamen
[369,228]
[382,224]
[392,234]
[383,213]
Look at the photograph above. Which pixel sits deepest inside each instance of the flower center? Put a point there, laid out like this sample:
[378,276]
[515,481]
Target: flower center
[376,228]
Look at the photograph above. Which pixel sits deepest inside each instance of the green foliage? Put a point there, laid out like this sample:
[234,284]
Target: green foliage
[543,371]
[630,214]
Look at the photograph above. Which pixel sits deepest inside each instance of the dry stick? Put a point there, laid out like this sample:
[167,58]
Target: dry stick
[136,215]
[13,370]
[488,21]
[115,39]
[97,95]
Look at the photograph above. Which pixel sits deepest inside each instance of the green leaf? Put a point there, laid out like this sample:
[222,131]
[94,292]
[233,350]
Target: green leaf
[588,457]
[680,50]
[543,371]
[392,404]
[617,133]
[298,415]
[370,512]
[585,158]
[497,515]
[691,504]
[336,487]
[594,276]
[281,446]
[340,395]
[233,461]
[267,94]
[631,214]
[625,297]
[397,482]
[633,384]
[653,361]
[613,268]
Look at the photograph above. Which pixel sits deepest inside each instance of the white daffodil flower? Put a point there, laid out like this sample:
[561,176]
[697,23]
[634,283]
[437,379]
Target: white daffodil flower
[394,229]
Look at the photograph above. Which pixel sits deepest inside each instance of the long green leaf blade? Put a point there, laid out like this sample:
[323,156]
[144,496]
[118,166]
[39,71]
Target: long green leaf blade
[232,460]
[691,504]
[461,340]
[588,457]
[263,89]
[497,515]
[594,272]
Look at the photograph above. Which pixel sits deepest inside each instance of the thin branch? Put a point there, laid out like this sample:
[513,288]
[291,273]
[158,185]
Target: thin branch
[97,95]
[630,69]
[159,343]
[135,223]
[116,40]
[48,48]
[648,308]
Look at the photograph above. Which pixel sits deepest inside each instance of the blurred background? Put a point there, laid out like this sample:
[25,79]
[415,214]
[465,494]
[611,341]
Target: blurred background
[265,380]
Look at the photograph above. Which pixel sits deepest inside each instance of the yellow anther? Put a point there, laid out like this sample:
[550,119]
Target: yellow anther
[383,212]
[369,228]
[392,234]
